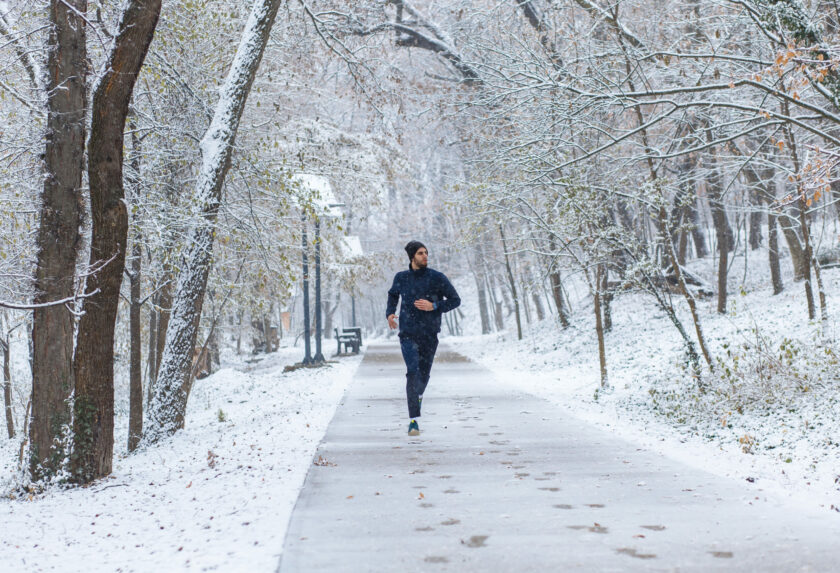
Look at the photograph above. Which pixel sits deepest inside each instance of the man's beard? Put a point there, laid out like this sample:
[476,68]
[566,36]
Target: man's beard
[421,264]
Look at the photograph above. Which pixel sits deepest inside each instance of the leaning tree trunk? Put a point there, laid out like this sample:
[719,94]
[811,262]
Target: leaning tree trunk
[58,235]
[692,304]
[169,400]
[93,406]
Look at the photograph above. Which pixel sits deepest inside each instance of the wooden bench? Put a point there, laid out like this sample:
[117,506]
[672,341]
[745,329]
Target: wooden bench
[351,338]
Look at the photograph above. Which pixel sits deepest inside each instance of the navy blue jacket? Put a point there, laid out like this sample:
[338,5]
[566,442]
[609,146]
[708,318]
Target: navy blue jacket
[414,285]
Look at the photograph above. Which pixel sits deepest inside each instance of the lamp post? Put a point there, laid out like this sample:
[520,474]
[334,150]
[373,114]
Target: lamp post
[324,207]
[319,357]
[307,358]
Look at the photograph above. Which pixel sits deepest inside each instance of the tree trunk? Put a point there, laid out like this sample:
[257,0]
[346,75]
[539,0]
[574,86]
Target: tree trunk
[239,332]
[807,256]
[682,241]
[684,211]
[266,321]
[164,314]
[773,254]
[58,236]
[152,350]
[692,306]
[762,181]
[213,349]
[539,307]
[93,407]
[554,274]
[557,294]
[789,221]
[483,311]
[498,313]
[7,386]
[169,401]
[803,221]
[820,289]
[512,284]
[756,216]
[606,299]
[697,234]
[722,228]
[525,306]
[135,408]
[477,271]
[599,325]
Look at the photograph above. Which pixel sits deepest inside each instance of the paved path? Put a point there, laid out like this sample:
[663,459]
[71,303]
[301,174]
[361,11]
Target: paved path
[503,481]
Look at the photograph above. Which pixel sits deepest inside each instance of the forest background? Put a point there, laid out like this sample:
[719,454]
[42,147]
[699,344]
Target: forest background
[574,165]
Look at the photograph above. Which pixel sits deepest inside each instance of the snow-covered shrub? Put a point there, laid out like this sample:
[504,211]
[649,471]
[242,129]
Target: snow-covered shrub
[762,394]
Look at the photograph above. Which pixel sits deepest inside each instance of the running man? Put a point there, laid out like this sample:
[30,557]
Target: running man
[426,294]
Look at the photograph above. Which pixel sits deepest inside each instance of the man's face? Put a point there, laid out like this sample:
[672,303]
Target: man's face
[421,258]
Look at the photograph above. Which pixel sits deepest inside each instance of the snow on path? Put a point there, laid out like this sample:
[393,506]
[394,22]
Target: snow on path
[216,497]
[500,480]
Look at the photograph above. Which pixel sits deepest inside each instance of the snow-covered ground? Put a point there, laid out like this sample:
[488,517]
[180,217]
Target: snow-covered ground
[782,431]
[215,497]
[218,495]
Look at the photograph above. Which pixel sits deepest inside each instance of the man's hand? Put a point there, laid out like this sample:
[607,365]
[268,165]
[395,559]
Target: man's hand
[392,321]
[424,304]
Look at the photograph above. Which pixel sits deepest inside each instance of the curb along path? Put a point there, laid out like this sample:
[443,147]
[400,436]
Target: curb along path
[502,481]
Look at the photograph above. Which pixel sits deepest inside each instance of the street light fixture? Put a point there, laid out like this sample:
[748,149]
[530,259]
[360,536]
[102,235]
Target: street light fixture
[319,357]
[325,207]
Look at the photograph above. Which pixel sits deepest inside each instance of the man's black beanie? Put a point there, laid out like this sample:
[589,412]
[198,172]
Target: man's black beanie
[412,247]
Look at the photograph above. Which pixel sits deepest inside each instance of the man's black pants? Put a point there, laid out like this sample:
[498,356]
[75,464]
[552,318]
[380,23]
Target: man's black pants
[418,353]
